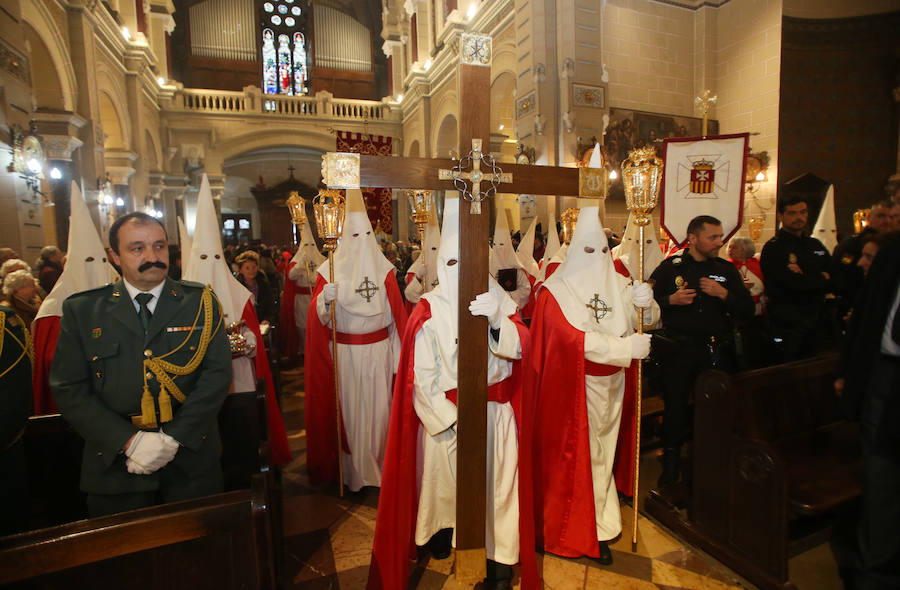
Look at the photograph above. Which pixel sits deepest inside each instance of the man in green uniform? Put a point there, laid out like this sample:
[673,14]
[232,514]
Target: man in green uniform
[15,401]
[140,371]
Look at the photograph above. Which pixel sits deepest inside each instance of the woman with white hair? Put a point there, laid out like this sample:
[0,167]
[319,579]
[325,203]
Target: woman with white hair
[11,265]
[20,292]
[741,253]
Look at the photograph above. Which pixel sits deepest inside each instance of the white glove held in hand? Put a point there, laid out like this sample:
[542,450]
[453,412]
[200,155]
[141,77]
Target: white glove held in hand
[488,305]
[640,345]
[329,292]
[150,451]
[642,295]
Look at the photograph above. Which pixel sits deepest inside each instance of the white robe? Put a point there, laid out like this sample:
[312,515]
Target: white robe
[366,374]
[243,368]
[604,397]
[302,279]
[434,375]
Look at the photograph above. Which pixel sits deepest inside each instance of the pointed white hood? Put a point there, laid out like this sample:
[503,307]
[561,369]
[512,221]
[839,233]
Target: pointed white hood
[629,249]
[186,242]
[502,253]
[552,238]
[826,229]
[308,256]
[86,263]
[590,276]
[207,262]
[525,251]
[357,259]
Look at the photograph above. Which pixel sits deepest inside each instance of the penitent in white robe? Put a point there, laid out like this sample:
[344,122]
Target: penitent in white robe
[366,375]
[604,396]
[435,373]
[303,277]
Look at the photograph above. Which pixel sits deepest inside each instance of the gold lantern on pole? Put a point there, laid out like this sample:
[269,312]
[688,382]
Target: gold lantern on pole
[329,208]
[297,207]
[642,177]
[568,219]
[421,205]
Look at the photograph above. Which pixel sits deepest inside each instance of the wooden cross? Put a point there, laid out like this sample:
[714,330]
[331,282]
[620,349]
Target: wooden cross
[344,170]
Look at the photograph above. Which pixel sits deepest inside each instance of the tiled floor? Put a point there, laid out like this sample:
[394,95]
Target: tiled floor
[329,540]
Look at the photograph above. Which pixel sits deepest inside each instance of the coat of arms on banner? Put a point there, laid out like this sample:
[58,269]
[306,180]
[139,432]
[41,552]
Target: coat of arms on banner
[703,176]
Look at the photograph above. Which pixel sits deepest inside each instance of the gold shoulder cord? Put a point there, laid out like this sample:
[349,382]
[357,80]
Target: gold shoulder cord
[164,370]
[26,346]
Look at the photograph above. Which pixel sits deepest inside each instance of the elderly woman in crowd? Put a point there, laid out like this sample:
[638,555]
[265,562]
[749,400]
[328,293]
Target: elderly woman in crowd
[50,266]
[21,293]
[250,276]
[741,253]
[11,265]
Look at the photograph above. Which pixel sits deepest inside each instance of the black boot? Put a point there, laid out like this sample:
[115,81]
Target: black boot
[671,463]
[499,576]
[605,557]
[440,544]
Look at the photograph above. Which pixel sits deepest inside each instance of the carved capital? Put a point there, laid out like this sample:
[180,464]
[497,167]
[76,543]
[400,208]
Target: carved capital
[60,147]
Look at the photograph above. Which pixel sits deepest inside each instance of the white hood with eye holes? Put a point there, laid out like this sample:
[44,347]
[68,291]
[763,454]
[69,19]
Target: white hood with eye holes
[358,259]
[589,279]
[629,250]
[86,264]
[207,265]
[308,256]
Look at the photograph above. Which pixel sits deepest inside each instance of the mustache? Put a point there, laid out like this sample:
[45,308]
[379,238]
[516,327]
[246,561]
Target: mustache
[148,265]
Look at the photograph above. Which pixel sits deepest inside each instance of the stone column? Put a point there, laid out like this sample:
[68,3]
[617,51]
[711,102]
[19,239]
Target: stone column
[60,132]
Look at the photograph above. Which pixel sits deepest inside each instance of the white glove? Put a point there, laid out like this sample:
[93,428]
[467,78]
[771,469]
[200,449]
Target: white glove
[329,292]
[488,305]
[640,345]
[642,295]
[150,451]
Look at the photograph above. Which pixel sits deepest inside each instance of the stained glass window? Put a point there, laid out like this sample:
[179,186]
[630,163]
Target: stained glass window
[284,51]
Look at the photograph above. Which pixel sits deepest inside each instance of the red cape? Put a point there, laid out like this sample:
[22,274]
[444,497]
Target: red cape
[398,504]
[278,442]
[46,332]
[564,499]
[528,310]
[290,339]
[321,451]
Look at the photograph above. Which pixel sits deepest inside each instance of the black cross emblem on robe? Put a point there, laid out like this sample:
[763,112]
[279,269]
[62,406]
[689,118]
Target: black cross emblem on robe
[367,289]
[598,307]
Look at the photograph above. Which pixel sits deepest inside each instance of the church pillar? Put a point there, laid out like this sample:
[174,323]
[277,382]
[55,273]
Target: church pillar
[82,55]
[161,25]
[60,132]
[172,196]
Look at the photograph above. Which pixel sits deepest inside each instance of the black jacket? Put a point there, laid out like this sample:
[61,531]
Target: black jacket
[796,299]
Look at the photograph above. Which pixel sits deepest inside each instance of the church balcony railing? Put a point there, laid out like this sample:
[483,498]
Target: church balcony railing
[252,101]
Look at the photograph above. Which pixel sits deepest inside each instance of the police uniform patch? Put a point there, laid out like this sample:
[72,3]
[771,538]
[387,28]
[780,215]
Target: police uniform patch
[679,281]
[96,333]
[847,259]
[792,258]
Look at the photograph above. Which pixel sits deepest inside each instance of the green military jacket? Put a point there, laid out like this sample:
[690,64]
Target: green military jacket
[15,378]
[98,379]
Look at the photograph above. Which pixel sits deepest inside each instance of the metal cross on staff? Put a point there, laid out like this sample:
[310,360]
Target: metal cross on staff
[476,176]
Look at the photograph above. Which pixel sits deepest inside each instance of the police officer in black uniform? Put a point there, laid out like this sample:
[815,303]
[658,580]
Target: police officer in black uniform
[700,296]
[797,271]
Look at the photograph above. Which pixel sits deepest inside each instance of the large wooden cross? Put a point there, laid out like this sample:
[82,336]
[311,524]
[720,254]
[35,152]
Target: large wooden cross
[352,170]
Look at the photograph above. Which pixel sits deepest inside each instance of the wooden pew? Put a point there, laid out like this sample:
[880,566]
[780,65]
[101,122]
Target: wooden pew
[221,541]
[773,464]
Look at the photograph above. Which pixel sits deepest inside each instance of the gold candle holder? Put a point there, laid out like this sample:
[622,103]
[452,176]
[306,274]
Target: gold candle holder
[860,219]
[297,207]
[568,219]
[641,176]
[329,208]
[756,225]
[421,205]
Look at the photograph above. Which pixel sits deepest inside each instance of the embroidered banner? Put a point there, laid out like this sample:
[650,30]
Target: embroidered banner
[703,176]
[378,200]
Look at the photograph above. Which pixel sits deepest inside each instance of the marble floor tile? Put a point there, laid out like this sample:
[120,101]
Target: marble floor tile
[601,578]
[664,573]
[561,574]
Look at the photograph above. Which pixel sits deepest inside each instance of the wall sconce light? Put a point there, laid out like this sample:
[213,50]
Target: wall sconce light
[757,164]
[28,157]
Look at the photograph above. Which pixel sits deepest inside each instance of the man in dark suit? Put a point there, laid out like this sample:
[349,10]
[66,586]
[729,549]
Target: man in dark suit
[141,369]
[872,394]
